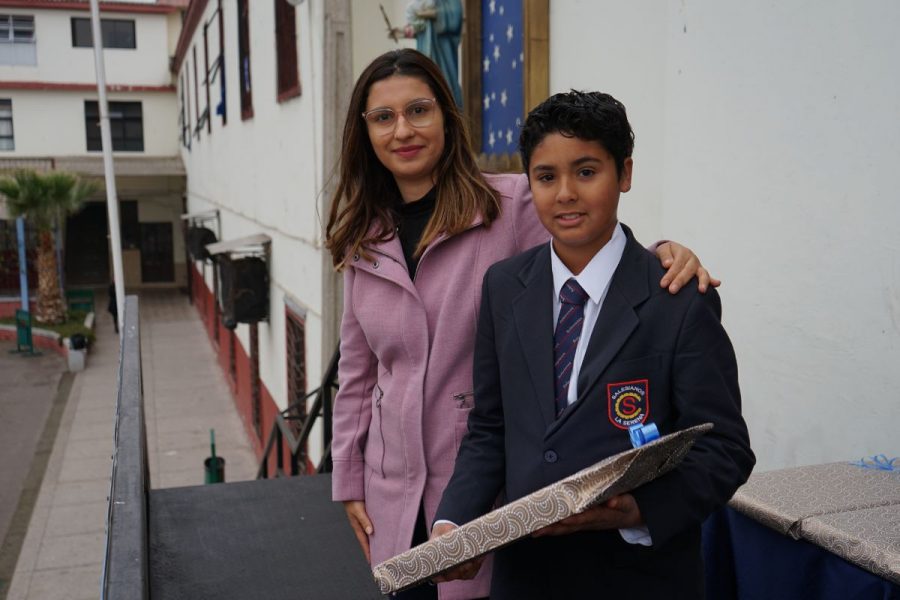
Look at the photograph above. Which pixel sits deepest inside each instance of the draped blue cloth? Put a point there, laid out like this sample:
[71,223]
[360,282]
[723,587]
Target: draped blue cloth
[745,560]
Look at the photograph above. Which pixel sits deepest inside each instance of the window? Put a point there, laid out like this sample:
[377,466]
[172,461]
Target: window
[200,117]
[244,58]
[129,225]
[295,340]
[7,141]
[126,125]
[222,107]
[17,45]
[286,49]
[16,29]
[185,114]
[117,33]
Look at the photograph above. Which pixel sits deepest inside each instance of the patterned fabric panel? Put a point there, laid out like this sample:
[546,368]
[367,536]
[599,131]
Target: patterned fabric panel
[614,475]
[782,499]
[852,512]
[869,538]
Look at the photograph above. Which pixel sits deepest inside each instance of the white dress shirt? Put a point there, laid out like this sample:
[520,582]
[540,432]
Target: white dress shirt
[593,279]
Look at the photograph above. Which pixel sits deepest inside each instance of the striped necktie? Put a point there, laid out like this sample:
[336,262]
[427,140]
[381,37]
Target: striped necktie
[565,339]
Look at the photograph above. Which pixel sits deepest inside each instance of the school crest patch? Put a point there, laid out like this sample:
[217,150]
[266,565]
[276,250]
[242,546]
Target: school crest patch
[629,402]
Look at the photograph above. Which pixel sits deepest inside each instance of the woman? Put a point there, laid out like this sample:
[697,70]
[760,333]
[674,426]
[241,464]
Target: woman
[414,229]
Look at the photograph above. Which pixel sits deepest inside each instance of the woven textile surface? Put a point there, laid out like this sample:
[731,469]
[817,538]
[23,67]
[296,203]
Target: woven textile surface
[615,475]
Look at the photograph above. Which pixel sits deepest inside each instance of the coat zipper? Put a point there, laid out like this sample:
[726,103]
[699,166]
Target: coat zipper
[380,426]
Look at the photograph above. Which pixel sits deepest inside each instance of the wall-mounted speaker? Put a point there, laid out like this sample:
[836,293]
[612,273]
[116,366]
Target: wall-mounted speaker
[197,239]
[244,290]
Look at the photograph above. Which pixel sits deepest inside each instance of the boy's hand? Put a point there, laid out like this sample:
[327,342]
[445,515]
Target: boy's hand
[683,265]
[362,526]
[619,512]
[467,570]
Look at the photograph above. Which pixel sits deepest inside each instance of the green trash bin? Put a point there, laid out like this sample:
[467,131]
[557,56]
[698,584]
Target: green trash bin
[214,466]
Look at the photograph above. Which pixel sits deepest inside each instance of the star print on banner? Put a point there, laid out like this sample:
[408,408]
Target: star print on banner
[502,80]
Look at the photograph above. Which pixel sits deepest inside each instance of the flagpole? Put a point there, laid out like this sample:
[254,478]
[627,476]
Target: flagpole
[112,203]
[23,264]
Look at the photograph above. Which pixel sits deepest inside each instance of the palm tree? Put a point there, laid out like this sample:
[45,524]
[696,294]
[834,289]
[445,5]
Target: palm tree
[42,199]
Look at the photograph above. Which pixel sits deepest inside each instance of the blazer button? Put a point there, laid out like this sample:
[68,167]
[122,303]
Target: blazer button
[550,456]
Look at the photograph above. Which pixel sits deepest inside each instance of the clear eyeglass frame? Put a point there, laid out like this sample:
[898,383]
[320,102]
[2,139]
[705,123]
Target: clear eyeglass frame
[385,120]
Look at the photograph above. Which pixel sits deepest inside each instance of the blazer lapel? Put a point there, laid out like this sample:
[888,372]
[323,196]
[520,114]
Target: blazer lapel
[617,319]
[533,315]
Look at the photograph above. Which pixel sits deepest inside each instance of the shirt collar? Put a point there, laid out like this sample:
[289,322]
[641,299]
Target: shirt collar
[595,277]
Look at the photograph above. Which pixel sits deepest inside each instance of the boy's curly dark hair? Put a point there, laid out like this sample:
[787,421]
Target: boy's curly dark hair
[590,116]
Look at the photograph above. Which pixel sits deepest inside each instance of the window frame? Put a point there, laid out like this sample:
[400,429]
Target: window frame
[287,69]
[94,140]
[106,32]
[295,358]
[10,26]
[245,79]
[12,134]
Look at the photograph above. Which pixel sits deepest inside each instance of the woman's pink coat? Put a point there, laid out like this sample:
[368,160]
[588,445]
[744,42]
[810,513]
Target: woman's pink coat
[406,371]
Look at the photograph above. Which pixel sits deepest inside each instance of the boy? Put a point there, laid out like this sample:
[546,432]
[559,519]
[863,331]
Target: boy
[576,343]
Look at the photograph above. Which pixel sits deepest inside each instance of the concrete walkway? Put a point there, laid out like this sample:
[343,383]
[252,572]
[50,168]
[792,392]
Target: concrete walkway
[32,389]
[184,396]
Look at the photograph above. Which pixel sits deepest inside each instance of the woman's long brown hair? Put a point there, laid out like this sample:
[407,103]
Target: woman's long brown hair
[367,192]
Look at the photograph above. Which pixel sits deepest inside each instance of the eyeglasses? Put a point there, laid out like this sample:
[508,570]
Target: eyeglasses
[418,113]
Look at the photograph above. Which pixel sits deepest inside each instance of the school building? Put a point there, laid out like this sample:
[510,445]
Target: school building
[49,120]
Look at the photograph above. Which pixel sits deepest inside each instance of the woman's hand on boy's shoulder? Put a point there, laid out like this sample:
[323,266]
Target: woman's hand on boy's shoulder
[619,512]
[682,266]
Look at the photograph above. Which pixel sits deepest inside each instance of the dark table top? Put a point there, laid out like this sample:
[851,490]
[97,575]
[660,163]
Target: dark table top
[278,538]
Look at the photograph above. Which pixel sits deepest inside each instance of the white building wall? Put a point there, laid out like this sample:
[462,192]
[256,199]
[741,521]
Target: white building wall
[264,175]
[370,38]
[767,140]
[145,65]
[620,48]
[51,123]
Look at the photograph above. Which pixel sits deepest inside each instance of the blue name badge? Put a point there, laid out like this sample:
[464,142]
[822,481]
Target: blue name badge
[643,434]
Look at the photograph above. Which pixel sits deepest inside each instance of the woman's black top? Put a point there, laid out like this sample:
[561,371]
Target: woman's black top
[412,218]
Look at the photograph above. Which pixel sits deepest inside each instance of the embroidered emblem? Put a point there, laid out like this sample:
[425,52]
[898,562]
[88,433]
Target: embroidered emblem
[629,402]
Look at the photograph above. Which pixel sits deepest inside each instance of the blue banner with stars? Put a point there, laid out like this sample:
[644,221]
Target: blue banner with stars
[502,80]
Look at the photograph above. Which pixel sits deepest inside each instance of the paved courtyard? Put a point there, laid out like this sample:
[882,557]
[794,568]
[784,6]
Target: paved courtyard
[30,387]
[184,396]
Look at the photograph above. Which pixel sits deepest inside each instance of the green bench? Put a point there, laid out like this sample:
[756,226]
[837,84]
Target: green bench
[80,300]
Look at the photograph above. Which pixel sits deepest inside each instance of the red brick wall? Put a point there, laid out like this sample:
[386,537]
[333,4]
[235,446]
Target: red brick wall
[38,340]
[8,308]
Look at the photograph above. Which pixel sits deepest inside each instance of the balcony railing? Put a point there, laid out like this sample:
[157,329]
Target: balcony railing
[273,539]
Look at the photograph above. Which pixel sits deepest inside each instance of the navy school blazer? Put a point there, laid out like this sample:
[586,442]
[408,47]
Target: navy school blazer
[652,357]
